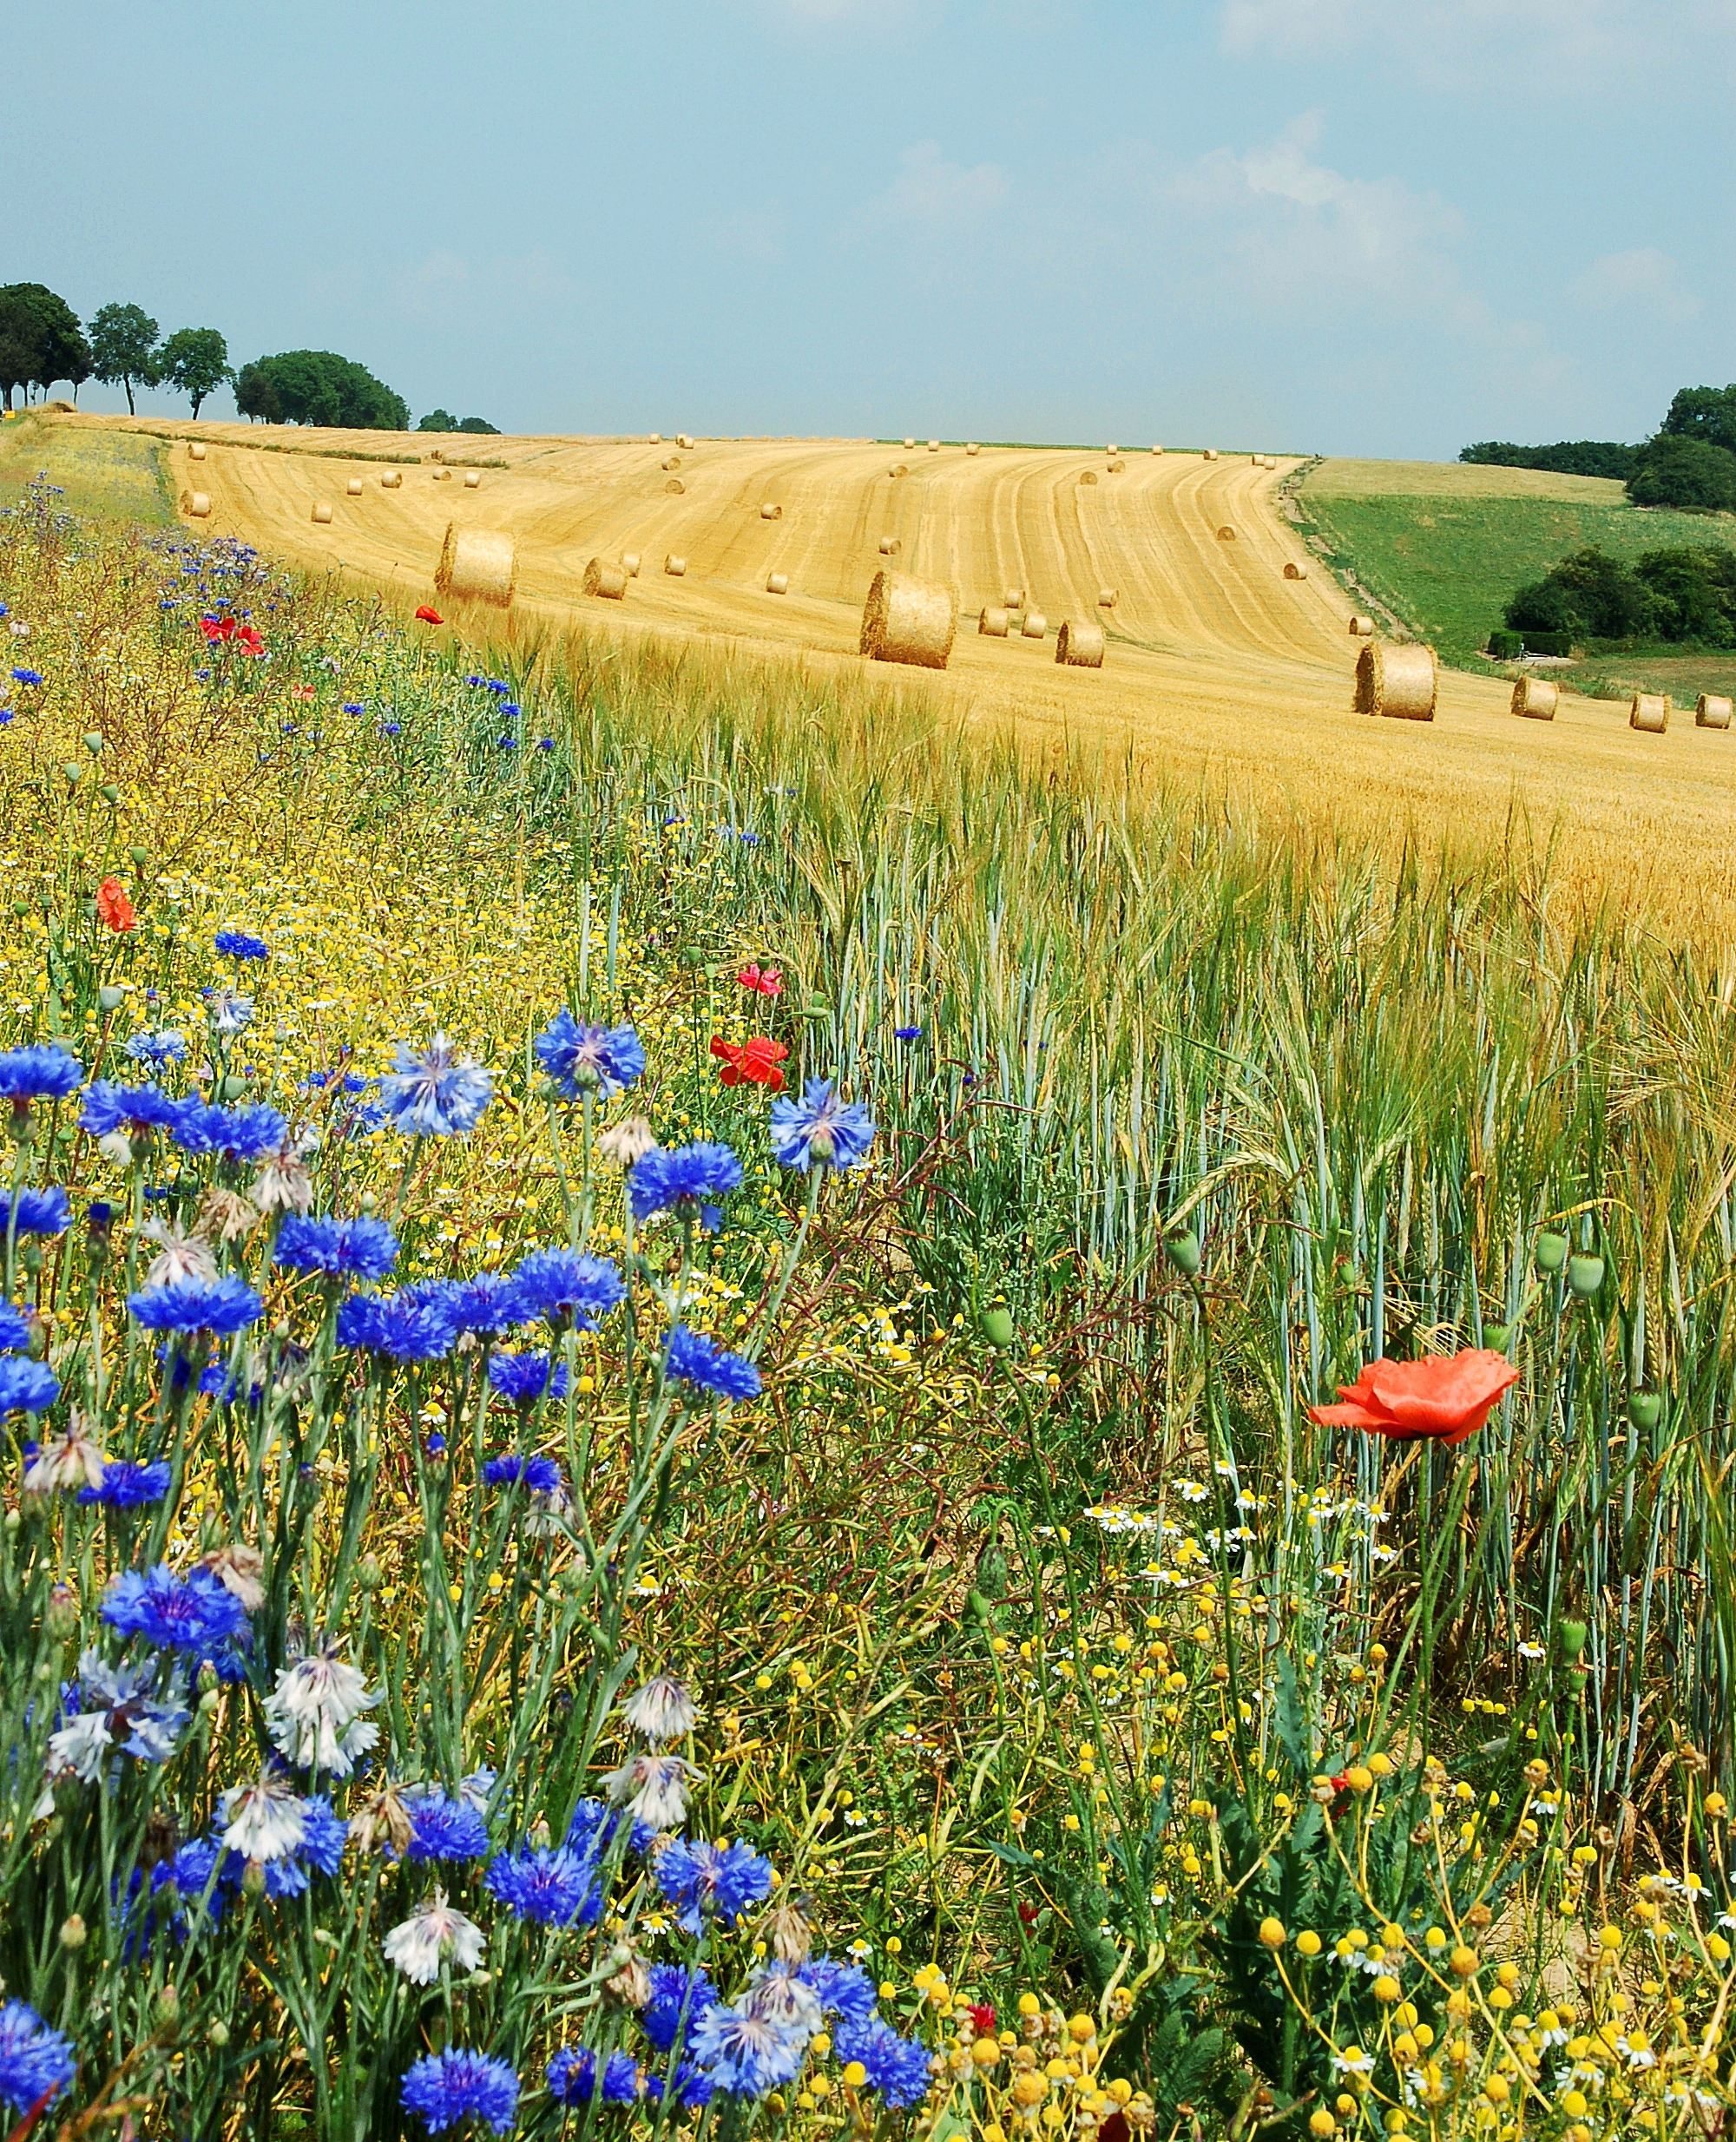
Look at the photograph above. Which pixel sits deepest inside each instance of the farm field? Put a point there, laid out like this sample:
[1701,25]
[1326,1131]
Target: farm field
[1218,670]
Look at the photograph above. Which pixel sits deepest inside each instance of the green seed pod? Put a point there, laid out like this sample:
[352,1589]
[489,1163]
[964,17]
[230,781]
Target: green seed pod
[992,1571]
[1585,1276]
[1570,1639]
[93,742]
[73,775]
[1498,1337]
[997,1327]
[141,856]
[72,1932]
[217,2033]
[111,997]
[1645,1410]
[111,793]
[979,1607]
[1552,1252]
[1183,1252]
[369,1575]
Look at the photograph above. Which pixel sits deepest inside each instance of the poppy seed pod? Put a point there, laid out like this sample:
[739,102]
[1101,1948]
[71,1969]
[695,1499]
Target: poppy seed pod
[141,856]
[1552,1252]
[1498,1336]
[1183,1252]
[1645,1410]
[111,794]
[110,996]
[997,1327]
[93,742]
[1585,1276]
[1570,1639]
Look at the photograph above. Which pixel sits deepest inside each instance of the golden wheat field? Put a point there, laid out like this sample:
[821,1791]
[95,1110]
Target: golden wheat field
[1216,666]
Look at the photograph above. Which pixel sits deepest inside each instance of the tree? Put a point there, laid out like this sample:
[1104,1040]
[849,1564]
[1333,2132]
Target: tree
[123,349]
[318,387]
[439,420]
[1681,470]
[1565,457]
[195,361]
[41,341]
[1589,597]
[480,425]
[1705,413]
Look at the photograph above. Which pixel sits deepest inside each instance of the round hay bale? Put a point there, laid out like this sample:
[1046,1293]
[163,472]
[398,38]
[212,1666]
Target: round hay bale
[1079,644]
[477,565]
[1034,626]
[909,444]
[675,487]
[769,512]
[442,476]
[991,622]
[655,439]
[472,478]
[1013,598]
[674,462]
[675,567]
[1712,711]
[392,480]
[1106,598]
[196,504]
[1535,698]
[1087,475]
[1227,533]
[1210,454]
[1362,628]
[196,451]
[684,442]
[1650,711]
[1293,571]
[973,448]
[1157,450]
[1397,681]
[1112,450]
[890,545]
[1117,467]
[776,583]
[322,512]
[898,469]
[911,621]
[603,579]
[353,488]
[629,563]
[934,446]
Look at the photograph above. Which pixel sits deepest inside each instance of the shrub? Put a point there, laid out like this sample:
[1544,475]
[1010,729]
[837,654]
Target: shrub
[1694,590]
[1506,647]
[1691,474]
[1588,594]
[1549,642]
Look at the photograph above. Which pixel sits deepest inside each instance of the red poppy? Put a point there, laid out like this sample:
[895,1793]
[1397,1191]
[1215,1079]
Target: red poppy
[751,1063]
[217,629]
[249,641]
[113,910]
[425,616]
[301,692]
[1028,1915]
[765,980]
[982,2021]
[1444,1399]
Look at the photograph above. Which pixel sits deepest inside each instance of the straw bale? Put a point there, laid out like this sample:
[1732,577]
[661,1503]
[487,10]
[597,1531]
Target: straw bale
[776,583]
[991,622]
[1087,475]
[1210,454]
[973,448]
[1117,467]
[442,476]
[934,446]
[472,478]
[1535,698]
[655,439]
[629,563]
[353,488]
[674,462]
[1293,571]
[1106,598]
[196,451]
[1395,679]
[898,469]
[1013,598]
[906,619]
[392,480]
[1079,644]
[1712,711]
[909,444]
[675,487]
[1227,533]
[1035,626]
[1112,450]
[197,504]
[1362,628]
[478,565]
[675,567]
[1650,711]
[604,579]
[1157,450]
[890,545]
[769,512]
[684,442]
[322,512]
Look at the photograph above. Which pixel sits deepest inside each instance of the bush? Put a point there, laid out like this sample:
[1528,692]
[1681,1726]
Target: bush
[1549,642]
[1506,647]
[1565,457]
[318,387]
[1691,474]
[1587,595]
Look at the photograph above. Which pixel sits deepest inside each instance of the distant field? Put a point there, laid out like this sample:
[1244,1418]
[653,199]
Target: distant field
[108,475]
[1444,544]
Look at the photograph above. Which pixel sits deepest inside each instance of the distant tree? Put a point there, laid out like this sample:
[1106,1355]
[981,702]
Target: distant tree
[20,343]
[1695,591]
[480,424]
[41,341]
[1591,596]
[439,420]
[1567,458]
[195,361]
[1677,470]
[1705,413]
[123,349]
[318,387]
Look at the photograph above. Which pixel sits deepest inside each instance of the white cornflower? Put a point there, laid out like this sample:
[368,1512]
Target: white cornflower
[653,1788]
[182,1259]
[315,1712]
[264,1821]
[429,1936]
[72,1460]
[240,1570]
[284,1184]
[623,1143]
[663,1710]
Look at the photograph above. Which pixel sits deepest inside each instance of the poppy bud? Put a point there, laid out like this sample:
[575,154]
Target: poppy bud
[992,1571]
[111,998]
[1498,1337]
[1552,1252]
[369,1575]
[1183,1252]
[1585,1276]
[1645,1410]
[141,856]
[1570,1639]
[997,1327]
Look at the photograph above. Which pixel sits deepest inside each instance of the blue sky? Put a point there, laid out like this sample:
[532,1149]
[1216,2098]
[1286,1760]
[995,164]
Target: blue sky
[1379,226]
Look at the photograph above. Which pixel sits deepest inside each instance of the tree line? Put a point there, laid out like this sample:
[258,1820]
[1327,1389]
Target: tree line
[1688,463]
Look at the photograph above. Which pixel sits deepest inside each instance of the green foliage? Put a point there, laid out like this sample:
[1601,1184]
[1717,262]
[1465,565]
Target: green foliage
[444,420]
[1672,595]
[40,340]
[1506,647]
[1567,458]
[195,362]
[1705,413]
[1690,473]
[123,349]
[318,387]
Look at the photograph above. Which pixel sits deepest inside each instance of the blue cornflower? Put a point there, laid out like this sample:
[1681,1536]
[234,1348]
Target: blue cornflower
[898,2067]
[522,1379]
[26,1386]
[681,1179]
[39,1073]
[391,728]
[437,1094]
[555,1888]
[5,717]
[132,1109]
[819,1130]
[188,1875]
[229,1011]
[27,676]
[224,1306]
[352,1249]
[507,743]
[193,1614]
[324,1835]
[444,1829]
[711,1881]
[545,743]
[413,1324]
[35,2062]
[447,2087]
[496,685]
[907,1033]
[15,1329]
[535,1476]
[246,1133]
[673,1990]
[842,1989]
[693,1358]
[572,2077]
[600,1060]
[37,1213]
[568,1289]
[157,1049]
[237,944]
[487,1305]
[354,707]
[125,1485]
[751,2047]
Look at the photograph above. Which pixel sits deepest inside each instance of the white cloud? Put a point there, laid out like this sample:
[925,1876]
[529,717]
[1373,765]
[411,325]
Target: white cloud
[1643,281]
[942,199]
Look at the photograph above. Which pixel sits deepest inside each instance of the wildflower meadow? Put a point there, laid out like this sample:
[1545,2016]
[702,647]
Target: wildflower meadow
[722,1414]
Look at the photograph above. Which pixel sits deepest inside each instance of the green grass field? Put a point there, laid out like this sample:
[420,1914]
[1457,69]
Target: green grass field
[1444,545]
[111,476]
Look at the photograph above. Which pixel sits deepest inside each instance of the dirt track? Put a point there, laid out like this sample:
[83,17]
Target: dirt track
[1216,664]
